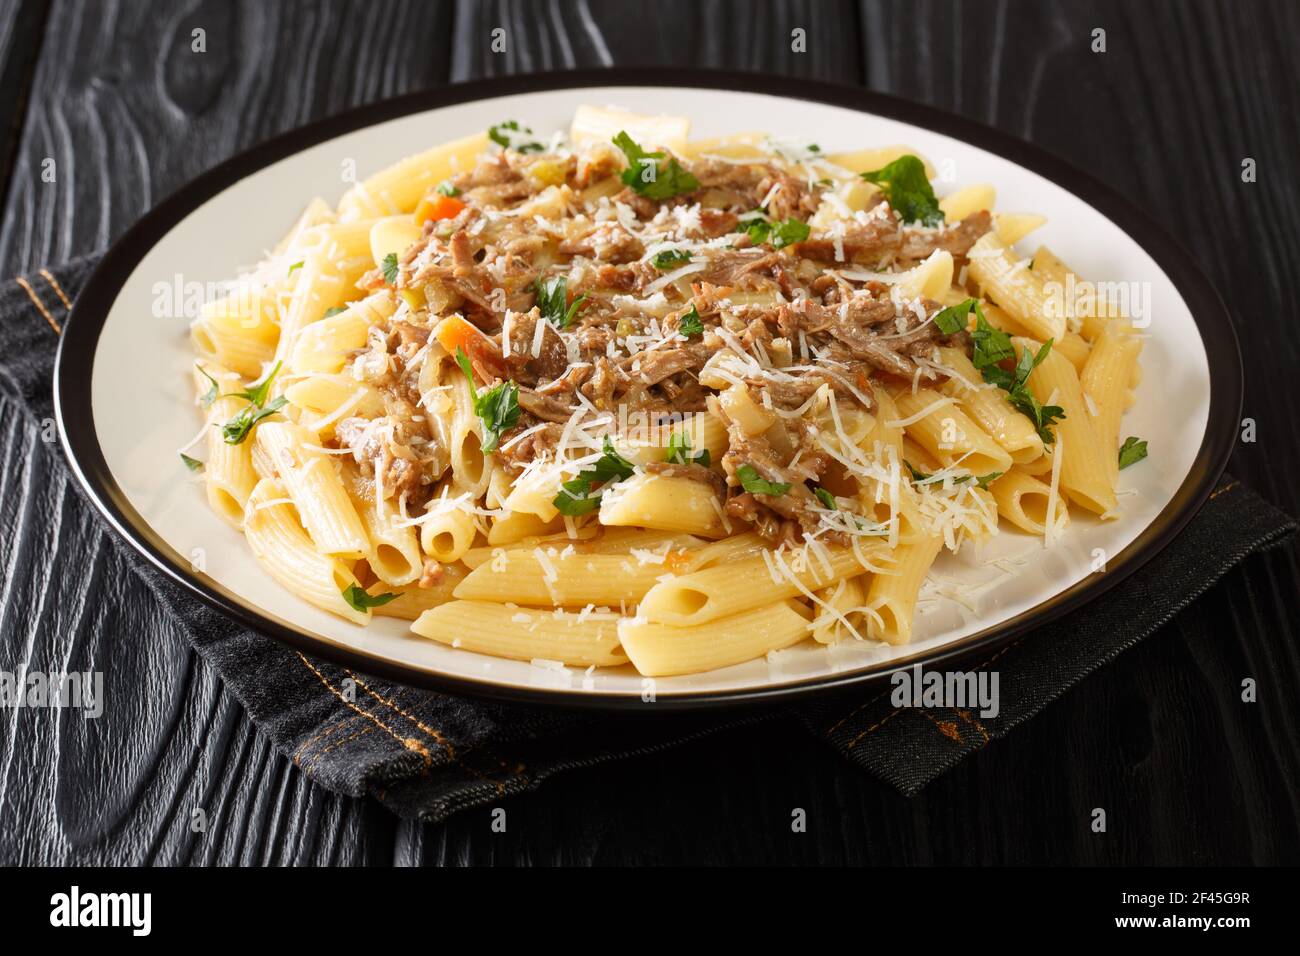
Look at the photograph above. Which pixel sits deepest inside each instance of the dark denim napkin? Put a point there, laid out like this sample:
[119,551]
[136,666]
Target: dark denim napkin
[426,754]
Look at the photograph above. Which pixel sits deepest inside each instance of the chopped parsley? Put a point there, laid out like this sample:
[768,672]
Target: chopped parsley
[390,268]
[553,300]
[953,318]
[497,408]
[241,423]
[356,596]
[777,234]
[257,393]
[992,346]
[646,176]
[237,429]
[670,259]
[296,265]
[679,451]
[445,188]
[578,497]
[755,483]
[689,324]
[520,143]
[1132,451]
[334,310]
[193,464]
[908,190]
[213,393]
[826,498]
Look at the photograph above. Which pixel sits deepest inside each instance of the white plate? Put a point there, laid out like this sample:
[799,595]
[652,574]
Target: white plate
[124,432]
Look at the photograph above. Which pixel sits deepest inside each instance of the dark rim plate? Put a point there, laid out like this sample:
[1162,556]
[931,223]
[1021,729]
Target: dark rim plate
[77,350]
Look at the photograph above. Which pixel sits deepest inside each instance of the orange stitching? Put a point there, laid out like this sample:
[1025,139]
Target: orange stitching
[854,742]
[31,294]
[58,290]
[433,733]
[327,731]
[1227,487]
[408,742]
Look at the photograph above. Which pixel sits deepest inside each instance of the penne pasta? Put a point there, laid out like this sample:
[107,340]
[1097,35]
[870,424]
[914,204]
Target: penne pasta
[603,395]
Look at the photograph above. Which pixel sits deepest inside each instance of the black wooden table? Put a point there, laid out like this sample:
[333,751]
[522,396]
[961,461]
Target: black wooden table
[116,96]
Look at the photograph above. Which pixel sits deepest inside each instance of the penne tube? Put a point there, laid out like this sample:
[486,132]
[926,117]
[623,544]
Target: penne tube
[413,600]
[314,484]
[1007,280]
[515,526]
[240,353]
[448,533]
[550,576]
[399,187]
[1085,471]
[939,425]
[1023,500]
[324,346]
[1011,227]
[660,650]
[1105,382]
[842,602]
[703,596]
[289,555]
[581,639]
[988,406]
[664,503]
[228,473]
[967,201]
[891,598]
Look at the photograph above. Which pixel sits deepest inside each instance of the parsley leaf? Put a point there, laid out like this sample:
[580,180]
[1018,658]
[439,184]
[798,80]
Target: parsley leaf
[826,498]
[985,480]
[576,496]
[670,259]
[553,300]
[356,596]
[689,324]
[777,234]
[193,464]
[237,429]
[990,345]
[953,318]
[296,265]
[646,176]
[679,451]
[334,310]
[787,233]
[753,482]
[212,394]
[497,408]
[1132,451]
[909,192]
[519,144]
[389,267]
[257,393]
[445,188]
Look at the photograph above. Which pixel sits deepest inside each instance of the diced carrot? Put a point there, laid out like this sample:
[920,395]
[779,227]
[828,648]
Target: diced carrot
[455,333]
[437,206]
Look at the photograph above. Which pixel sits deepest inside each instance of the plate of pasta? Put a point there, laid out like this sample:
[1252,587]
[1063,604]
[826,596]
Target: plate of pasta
[621,387]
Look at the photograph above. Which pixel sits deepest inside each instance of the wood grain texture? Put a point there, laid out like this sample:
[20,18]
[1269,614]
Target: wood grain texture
[1187,772]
